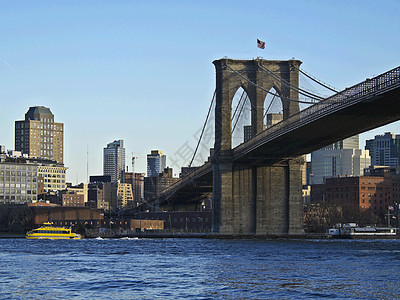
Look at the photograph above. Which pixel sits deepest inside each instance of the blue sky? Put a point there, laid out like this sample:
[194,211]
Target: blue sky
[142,71]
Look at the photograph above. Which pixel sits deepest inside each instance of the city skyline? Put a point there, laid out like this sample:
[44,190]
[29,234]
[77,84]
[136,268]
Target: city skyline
[143,72]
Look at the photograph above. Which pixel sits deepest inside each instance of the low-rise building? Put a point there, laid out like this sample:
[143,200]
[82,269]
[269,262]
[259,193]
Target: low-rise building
[143,225]
[373,193]
[71,198]
[180,220]
[80,189]
[53,176]
[110,195]
[67,216]
[306,193]
[24,178]
[18,182]
[96,197]
[124,196]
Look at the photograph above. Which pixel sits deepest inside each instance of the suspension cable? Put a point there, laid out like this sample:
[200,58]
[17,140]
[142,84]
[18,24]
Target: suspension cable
[237,107]
[202,131]
[269,106]
[290,85]
[317,81]
[261,88]
[240,112]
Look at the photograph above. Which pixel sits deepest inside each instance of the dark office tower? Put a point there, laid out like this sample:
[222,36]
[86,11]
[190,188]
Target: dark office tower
[156,163]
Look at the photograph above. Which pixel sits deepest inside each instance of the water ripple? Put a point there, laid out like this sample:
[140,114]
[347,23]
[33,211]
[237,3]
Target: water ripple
[198,269]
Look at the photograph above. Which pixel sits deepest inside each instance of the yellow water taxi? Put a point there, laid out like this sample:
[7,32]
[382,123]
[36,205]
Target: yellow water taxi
[48,231]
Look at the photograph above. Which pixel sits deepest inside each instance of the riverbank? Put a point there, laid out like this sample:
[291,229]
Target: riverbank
[10,235]
[202,235]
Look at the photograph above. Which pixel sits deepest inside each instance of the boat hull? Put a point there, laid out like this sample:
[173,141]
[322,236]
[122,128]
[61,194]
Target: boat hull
[76,237]
[365,236]
[353,231]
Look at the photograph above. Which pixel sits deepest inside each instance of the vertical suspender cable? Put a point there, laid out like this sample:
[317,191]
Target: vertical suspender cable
[240,112]
[202,131]
[269,106]
[241,97]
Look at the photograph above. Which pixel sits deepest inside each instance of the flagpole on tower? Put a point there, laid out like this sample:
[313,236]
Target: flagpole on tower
[261,45]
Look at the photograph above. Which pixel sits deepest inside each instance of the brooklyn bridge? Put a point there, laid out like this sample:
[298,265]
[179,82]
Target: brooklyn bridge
[255,187]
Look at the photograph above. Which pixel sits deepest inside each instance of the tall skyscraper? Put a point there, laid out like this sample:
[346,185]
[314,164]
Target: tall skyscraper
[156,163]
[39,136]
[114,160]
[339,159]
[384,150]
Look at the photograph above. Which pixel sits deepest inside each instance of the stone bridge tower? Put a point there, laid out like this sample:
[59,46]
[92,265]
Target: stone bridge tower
[252,198]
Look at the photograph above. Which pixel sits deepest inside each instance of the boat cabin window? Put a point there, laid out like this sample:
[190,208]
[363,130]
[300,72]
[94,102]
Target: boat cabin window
[66,231]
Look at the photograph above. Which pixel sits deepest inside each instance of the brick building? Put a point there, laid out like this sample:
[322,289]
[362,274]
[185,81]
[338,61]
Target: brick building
[366,192]
[71,198]
[190,220]
[66,216]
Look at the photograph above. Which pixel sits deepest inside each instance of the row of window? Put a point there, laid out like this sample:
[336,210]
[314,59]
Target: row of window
[17,179]
[13,173]
[369,201]
[77,204]
[17,197]
[54,180]
[375,208]
[380,195]
[17,167]
[17,191]
[194,220]
[52,175]
[17,185]
[51,170]
[54,186]
[51,231]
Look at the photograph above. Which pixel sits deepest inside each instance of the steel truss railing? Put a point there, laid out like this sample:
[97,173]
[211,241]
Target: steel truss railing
[368,88]
[188,179]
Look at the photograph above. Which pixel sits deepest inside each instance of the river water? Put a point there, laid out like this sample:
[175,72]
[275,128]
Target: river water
[199,269]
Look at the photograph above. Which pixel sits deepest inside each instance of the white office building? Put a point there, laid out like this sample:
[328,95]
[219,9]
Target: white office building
[339,159]
[384,150]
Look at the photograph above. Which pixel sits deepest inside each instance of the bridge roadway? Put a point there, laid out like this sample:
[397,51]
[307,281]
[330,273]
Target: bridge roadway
[370,104]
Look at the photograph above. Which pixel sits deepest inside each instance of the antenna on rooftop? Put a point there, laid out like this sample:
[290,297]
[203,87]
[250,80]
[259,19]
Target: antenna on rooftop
[87,163]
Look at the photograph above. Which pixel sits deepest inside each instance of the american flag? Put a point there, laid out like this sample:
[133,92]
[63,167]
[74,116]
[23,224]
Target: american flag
[260,44]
